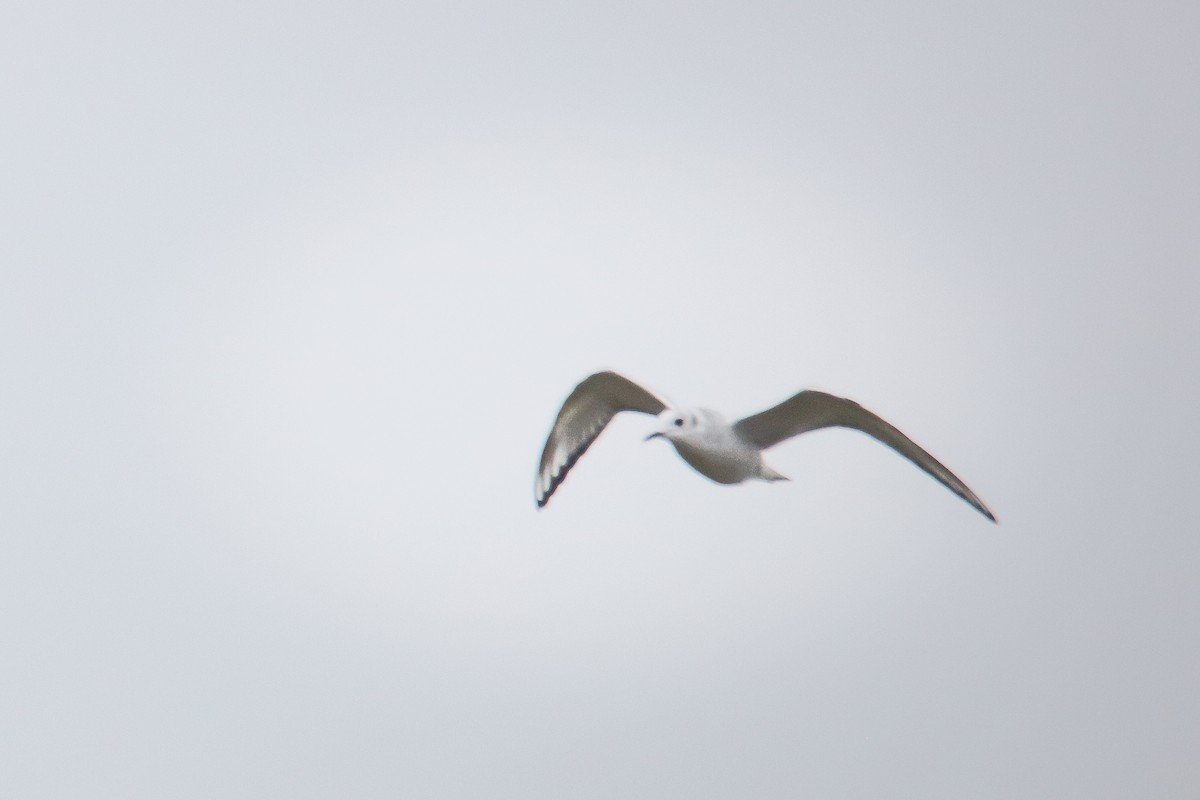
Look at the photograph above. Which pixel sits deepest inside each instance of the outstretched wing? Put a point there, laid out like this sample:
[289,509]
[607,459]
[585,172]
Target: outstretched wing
[583,416]
[811,410]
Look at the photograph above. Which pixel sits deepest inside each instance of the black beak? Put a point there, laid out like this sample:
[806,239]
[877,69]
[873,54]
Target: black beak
[655,435]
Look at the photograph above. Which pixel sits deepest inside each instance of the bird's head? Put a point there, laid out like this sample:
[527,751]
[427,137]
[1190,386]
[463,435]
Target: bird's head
[674,424]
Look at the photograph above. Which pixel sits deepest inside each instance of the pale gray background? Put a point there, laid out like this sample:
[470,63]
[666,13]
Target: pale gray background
[291,293]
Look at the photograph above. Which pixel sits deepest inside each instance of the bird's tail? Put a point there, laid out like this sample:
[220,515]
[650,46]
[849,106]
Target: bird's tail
[767,473]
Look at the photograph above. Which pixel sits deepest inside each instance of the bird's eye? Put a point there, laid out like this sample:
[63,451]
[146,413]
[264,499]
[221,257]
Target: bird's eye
[679,422]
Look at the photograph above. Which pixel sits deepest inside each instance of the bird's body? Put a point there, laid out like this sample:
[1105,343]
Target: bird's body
[709,445]
[724,452]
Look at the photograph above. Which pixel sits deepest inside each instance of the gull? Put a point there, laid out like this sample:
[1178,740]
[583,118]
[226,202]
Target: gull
[724,452]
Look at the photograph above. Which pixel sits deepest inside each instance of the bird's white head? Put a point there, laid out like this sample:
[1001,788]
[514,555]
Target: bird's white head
[677,423]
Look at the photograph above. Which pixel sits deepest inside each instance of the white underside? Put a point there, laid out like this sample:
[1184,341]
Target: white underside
[726,462]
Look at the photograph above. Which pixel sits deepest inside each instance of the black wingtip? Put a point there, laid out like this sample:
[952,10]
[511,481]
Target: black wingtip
[987,512]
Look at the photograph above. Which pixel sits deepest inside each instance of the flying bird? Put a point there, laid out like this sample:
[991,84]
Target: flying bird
[722,451]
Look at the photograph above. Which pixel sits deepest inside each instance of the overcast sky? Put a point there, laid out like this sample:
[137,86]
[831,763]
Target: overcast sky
[292,292]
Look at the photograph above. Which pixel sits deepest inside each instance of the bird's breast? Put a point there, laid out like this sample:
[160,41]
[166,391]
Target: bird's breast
[721,464]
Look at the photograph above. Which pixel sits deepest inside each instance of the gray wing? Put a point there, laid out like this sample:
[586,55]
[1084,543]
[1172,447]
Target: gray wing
[811,410]
[584,415]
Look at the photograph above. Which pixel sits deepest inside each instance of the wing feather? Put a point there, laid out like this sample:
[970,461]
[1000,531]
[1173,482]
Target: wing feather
[584,415]
[811,410]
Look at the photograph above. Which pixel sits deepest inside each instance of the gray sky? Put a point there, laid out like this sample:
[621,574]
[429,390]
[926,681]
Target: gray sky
[292,293]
